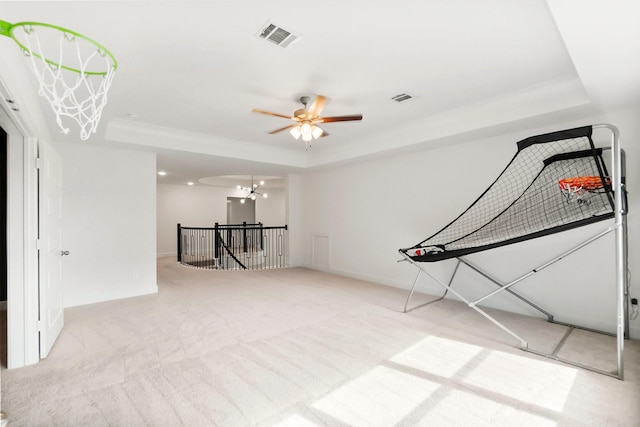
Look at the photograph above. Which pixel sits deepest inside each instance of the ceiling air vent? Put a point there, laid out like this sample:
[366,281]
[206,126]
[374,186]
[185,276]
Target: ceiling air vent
[402,97]
[277,35]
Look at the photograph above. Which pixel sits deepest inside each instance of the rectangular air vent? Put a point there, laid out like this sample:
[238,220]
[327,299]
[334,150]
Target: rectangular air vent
[402,97]
[277,35]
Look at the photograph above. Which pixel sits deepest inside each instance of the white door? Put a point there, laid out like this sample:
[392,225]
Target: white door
[51,251]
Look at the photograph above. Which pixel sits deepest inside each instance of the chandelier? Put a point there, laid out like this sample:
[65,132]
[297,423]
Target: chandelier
[252,193]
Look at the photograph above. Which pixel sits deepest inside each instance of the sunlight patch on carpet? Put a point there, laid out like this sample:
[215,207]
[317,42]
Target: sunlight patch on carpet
[519,377]
[542,383]
[437,356]
[436,377]
[382,396]
[296,420]
[461,408]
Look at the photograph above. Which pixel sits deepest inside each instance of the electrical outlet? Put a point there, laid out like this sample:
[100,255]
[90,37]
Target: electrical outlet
[634,301]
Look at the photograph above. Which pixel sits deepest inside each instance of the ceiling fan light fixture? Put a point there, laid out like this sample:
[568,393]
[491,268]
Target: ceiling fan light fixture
[305,128]
[295,132]
[316,132]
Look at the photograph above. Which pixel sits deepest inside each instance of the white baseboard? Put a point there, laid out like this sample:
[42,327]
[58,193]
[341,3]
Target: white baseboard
[365,277]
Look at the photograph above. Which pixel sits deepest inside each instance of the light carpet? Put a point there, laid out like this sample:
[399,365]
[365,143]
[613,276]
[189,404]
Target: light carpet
[296,347]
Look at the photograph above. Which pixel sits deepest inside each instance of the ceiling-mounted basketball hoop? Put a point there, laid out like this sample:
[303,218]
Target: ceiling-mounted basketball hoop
[74,71]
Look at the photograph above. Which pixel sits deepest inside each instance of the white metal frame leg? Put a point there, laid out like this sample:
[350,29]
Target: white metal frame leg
[415,282]
[447,287]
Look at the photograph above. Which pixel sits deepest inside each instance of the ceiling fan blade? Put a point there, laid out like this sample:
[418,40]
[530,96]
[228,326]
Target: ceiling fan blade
[350,118]
[283,128]
[269,113]
[317,106]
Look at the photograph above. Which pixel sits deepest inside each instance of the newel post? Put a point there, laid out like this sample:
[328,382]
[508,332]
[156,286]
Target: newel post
[179,245]
[217,241]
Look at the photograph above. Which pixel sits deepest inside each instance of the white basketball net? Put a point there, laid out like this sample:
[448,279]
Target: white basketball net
[575,193]
[79,93]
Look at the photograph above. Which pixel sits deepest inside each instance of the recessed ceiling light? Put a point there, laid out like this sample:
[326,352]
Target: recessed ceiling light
[190,183]
[162,173]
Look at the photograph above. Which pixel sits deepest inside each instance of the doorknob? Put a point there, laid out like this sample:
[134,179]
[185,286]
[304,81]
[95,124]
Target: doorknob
[63,253]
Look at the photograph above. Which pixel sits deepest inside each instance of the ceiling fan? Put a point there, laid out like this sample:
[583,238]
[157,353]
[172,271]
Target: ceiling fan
[307,119]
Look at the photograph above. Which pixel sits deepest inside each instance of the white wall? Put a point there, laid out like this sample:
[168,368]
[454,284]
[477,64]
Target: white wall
[109,226]
[293,213]
[271,211]
[203,206]
[358,216]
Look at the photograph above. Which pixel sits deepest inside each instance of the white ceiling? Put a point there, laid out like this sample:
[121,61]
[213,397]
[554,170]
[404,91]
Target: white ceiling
[192,72]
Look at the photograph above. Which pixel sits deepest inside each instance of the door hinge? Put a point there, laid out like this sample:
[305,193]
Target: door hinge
[38,244]
[39,325]
[38,163]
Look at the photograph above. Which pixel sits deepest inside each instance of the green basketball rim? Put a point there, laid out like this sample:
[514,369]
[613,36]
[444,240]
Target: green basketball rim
[7,29]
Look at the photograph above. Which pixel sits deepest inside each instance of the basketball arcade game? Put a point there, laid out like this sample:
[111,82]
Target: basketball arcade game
[555,182]
[74,72]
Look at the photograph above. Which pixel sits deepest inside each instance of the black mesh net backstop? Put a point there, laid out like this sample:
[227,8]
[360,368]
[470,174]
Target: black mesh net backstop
[526,200]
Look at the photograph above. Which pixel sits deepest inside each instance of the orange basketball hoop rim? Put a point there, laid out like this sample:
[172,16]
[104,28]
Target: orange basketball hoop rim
[589,183]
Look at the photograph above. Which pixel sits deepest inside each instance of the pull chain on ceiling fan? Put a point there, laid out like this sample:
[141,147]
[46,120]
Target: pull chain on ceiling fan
[307,120]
